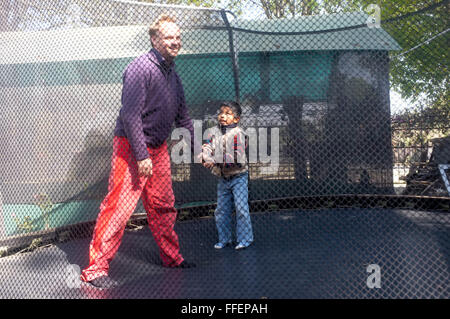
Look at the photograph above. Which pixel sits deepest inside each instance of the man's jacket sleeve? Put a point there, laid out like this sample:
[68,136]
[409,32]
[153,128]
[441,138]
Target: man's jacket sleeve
[133,99]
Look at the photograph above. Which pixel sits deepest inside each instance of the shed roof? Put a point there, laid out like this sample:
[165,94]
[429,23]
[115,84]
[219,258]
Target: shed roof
[131,41]
[361,38]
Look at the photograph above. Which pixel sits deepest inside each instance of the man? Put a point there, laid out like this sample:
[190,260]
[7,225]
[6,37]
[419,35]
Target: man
[152,100]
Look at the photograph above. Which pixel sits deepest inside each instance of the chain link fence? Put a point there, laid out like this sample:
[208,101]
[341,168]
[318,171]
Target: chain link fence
[343,125]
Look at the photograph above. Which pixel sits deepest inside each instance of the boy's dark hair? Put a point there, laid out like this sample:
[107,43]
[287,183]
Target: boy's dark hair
[234,106]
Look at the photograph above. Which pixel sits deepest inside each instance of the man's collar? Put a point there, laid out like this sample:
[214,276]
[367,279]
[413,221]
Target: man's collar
[160,59]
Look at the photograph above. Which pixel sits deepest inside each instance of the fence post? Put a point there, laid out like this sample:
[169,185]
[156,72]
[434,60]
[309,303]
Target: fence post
[234,55]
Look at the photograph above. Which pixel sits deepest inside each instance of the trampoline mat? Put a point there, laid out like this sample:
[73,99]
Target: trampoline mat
[296,254]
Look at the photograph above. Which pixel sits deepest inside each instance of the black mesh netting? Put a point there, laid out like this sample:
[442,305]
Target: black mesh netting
[299,150]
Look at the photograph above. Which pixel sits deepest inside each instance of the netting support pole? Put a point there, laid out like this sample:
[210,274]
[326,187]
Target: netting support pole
[234,56]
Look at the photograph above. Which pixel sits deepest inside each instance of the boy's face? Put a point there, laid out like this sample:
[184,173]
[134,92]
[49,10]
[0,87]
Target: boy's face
[226,116]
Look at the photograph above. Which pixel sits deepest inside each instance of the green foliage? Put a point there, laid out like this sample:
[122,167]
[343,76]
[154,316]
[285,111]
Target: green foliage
[35,243]
[420,75]
[44,202]
[276,9]
[424,70]
[26,225]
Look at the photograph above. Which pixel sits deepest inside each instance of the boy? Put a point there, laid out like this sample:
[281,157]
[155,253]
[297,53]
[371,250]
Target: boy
[224,155]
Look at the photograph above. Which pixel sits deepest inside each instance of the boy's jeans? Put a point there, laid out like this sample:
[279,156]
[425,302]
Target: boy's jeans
[233,193]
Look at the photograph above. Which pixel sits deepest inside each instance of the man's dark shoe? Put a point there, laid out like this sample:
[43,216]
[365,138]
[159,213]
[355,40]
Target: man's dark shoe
[184,264]
[103,282]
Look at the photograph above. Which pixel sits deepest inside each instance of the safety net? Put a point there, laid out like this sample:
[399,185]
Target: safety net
[235,149]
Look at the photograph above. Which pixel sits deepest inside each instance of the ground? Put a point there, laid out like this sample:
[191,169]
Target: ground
[296,254]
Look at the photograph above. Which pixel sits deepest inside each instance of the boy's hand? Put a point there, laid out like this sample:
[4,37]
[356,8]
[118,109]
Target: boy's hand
[208,165]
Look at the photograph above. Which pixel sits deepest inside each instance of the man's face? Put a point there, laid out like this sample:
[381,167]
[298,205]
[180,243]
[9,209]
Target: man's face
[168,40]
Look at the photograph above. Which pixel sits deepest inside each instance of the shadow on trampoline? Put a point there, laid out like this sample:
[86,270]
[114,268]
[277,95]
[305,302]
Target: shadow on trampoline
[296,254]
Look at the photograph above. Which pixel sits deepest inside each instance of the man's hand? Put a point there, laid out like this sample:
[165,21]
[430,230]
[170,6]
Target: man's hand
[145,167]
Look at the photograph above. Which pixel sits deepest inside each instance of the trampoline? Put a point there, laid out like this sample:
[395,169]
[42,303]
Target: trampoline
[321,253]
[348,182]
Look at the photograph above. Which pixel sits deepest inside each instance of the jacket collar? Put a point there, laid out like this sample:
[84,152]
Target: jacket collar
[225,128]
[159,60]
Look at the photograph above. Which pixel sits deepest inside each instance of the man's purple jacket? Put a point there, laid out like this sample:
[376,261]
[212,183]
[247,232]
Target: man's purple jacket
[152,100]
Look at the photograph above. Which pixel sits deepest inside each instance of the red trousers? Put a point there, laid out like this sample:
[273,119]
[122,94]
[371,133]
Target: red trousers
[124,190]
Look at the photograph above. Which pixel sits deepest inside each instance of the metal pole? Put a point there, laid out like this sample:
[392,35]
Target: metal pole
[234,55]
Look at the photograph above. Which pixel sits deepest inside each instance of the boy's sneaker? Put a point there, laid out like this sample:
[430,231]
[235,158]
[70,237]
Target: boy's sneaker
[221,245]
[242,246]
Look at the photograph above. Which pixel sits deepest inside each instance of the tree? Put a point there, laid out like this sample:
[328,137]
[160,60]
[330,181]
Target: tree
[281,9]
[423,71]
[276,9]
